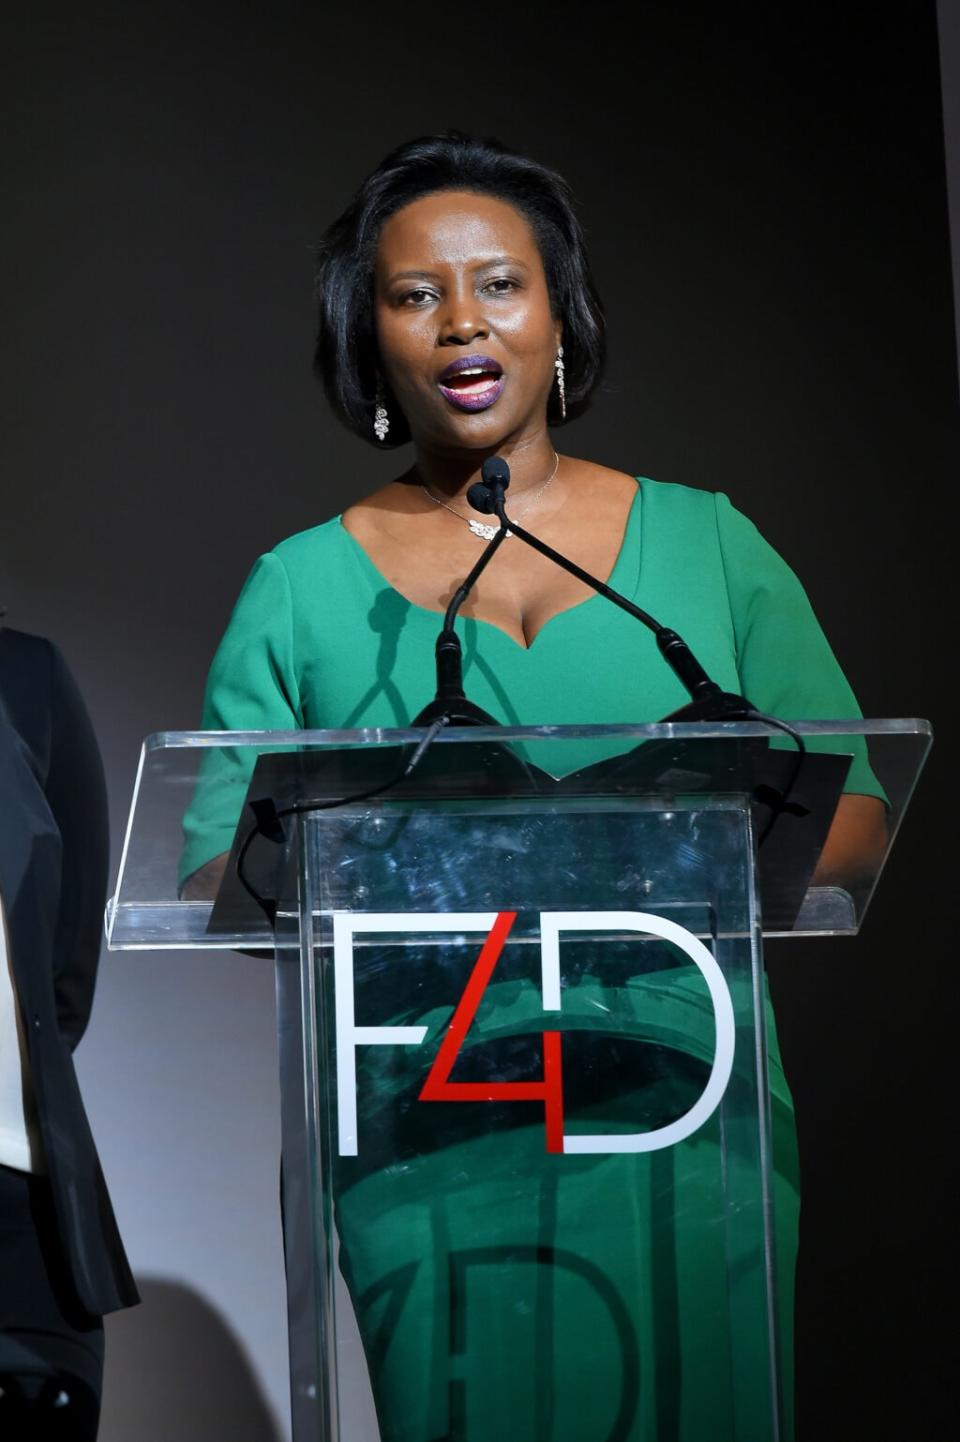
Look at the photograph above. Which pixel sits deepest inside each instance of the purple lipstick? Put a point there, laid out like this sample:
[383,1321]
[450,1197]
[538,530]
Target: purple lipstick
[471,383]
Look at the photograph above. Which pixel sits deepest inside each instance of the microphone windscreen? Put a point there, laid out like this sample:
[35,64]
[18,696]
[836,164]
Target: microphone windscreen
[481,498]
[495,472]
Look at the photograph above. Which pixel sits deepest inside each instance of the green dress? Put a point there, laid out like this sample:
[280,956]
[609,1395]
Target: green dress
[319,639]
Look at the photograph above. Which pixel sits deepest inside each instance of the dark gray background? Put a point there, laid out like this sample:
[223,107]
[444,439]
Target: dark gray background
[763,188]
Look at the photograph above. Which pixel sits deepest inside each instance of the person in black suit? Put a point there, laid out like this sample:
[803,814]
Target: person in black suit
[62,1263]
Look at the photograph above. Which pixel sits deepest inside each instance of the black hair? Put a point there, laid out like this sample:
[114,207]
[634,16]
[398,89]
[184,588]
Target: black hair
[346,355]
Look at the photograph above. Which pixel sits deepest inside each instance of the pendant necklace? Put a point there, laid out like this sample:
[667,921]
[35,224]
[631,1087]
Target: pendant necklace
[480,529]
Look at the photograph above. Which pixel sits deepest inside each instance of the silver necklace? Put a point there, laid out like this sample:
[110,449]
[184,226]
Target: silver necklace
[480,528]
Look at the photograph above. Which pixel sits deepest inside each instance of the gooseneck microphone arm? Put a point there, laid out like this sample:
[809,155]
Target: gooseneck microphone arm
[463,591]
[450,701]
[708,700]
[673,648]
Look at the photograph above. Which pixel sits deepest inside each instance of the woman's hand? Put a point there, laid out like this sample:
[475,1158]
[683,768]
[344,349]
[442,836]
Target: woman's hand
[204,883]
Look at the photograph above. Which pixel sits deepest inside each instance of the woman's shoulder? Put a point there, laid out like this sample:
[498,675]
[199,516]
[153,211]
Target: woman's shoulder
[367,517]
[668,498]
[672,498]
[704,522]
[318,545]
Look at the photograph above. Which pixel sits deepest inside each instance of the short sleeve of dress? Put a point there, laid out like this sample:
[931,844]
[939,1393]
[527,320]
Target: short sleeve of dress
[784,661]
[251,686]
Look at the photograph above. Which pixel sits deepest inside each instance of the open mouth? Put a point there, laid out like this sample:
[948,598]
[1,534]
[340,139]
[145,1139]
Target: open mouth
[472,383]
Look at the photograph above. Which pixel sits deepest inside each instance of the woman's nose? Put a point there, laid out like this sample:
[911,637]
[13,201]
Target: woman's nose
[463,321]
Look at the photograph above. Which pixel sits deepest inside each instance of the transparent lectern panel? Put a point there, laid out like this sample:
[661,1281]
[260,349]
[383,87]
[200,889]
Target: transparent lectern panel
[475,1159]
[541,1131]
[191,807]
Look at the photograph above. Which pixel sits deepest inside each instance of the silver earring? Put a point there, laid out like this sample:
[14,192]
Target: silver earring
[561,384]
[381,421]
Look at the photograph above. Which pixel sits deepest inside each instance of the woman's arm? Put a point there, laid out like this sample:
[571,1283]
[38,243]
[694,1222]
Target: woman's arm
[856,843]
[252,686]
[204,883]
[787,669]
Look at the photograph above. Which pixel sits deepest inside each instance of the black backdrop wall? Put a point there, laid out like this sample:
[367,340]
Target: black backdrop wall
[763,188]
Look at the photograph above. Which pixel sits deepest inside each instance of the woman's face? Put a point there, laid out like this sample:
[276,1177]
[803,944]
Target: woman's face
[466,335]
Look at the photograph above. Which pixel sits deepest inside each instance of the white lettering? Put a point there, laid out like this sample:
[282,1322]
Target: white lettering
[551,925]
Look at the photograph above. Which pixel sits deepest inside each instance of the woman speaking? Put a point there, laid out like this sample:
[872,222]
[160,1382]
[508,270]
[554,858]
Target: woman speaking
[457,312]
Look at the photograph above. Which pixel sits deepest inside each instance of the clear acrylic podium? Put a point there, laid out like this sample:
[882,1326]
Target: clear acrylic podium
[527,1124]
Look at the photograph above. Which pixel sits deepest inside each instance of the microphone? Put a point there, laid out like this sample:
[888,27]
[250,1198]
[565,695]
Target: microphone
[449,701]
[494,480]
[707,701]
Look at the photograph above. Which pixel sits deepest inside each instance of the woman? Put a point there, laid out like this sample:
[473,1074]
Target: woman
[457,311]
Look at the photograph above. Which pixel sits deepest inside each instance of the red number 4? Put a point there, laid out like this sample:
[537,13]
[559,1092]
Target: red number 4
[439,1088]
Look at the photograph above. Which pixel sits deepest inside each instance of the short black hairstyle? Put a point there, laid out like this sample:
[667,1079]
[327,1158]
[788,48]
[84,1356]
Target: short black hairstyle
[346,358]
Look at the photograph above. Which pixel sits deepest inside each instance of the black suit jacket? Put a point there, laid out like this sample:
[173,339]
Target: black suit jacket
[53,874]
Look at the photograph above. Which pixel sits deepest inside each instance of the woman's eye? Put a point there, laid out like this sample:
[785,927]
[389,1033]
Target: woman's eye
[502,285]
[416,297]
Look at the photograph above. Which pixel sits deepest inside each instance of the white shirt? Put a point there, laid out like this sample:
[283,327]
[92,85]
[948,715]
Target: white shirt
[19,1135]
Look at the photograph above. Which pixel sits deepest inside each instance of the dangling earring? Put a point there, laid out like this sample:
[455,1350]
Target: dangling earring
[381,421]
[561,386]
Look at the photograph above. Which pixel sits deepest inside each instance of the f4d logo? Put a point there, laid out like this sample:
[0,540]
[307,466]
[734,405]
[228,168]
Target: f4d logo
[549,1090]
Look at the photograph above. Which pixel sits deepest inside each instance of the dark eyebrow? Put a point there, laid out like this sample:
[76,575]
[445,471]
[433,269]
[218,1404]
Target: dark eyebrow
[487,264]
[502,260]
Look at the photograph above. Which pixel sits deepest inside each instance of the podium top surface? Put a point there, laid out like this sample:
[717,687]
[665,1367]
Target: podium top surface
[476,735]
[191,793]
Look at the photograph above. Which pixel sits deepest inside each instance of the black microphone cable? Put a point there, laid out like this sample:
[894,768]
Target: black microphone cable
[269,817]
[779,801]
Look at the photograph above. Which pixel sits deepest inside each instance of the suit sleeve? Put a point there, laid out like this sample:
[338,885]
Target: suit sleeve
[77,796]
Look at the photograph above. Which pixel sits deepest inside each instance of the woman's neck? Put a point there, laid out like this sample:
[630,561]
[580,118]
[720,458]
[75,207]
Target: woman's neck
[450,475]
